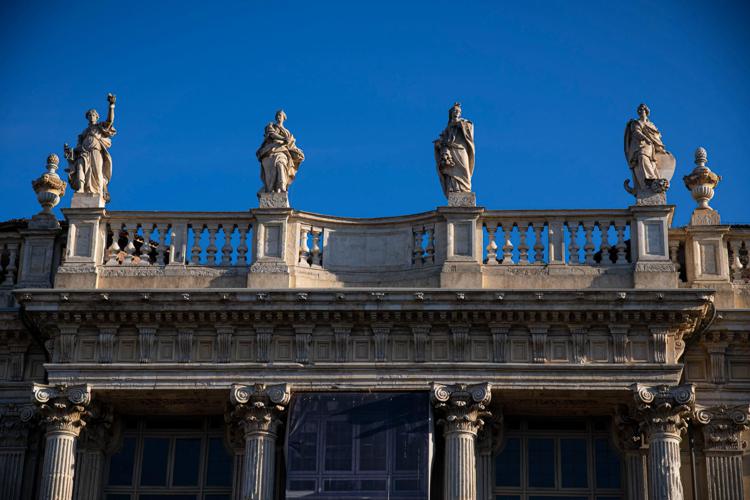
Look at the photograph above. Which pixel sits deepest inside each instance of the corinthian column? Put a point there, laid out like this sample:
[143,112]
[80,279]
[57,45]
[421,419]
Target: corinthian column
[662,411]
[461,409]
[94,443]
[63,411]
[257,410]
[723,446]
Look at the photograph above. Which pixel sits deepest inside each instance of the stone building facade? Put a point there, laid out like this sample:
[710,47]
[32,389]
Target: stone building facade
[460,353]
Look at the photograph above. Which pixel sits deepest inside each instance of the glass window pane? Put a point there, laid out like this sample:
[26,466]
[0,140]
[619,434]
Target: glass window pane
[117,497]
[607,462]
[410,449]
[574,463]
[303,447]
[373,446]
[187,459]
[339,444]
[507,497]
[217,497]
[167,497]
[154,465]
[220,464]
[121,464]
[541,462]
[508,464]
[545,497]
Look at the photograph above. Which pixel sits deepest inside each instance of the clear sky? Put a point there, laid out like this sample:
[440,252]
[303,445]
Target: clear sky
[367,87]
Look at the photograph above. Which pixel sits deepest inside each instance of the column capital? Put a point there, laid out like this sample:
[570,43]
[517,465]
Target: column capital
[463,407]
[257,408]
[63,408]
[722,427]
[663,409]
[15,421]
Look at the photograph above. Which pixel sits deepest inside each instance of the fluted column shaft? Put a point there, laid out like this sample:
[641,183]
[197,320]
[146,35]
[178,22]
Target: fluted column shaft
[723,445]
[724,476]
[59,465]
[664,466]
[635,476]
[460,480]
[11,472]
[89,477]
[260,459]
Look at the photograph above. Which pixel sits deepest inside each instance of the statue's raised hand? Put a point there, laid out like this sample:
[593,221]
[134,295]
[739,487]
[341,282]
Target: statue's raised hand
[111,98]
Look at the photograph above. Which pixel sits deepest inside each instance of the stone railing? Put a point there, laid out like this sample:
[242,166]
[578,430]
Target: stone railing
[10,251]
[738,246]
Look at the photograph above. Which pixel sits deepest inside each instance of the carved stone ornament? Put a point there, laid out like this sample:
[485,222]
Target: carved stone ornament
[49,188]
[651,164]
[723,427]
[102,432]
[15,421]
[701,183]
[463,408]
[258,408]
[663,408]
[280,159]
[63,408]
[89,163]
[454,159]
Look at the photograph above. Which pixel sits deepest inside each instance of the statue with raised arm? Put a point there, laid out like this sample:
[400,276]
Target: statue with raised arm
[89,163]
[454,154]
[651,164]
[279,157]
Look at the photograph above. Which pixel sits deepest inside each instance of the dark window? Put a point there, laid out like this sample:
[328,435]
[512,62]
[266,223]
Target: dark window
[154,465]
[574,463]
[541,462]
[607,464]
[121,465]
[508,464]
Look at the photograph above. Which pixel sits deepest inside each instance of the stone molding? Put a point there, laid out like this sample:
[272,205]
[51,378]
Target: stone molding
[63,408]
[258,408]
[462,408]
[723,426]
[663,409]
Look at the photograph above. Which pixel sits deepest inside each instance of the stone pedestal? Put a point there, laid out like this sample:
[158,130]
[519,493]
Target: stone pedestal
[84,251]
[461,409]
[662,411]
[87,200]
[273,200]
[63,411]
[257,411]
[649,233]
[459,247]
[274,249]
[458,199]
[723,447]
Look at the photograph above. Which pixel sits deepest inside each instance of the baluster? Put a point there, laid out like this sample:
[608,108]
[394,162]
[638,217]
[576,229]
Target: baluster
[604,249]
[736,263]
[242,247]
[620,245]
[573,258]
[430,250]
[304,248]
[10,270]
[130,247]
[226,249]
[145,258]
[492,245]
[507,245]
[212,249]
[417,250]
[523,248]
[161,248]
[195,250]
[113,252]
[674,246]
[589,247]
[317,257]
[538,244]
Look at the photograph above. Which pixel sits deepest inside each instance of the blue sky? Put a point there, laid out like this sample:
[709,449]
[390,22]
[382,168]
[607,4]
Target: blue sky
[367,87]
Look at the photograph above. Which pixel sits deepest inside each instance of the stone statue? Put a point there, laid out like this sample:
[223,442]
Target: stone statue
[89,163]
[652,165]
[279,157]
[454,154]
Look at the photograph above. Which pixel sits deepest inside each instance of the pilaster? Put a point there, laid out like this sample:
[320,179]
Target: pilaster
[462,410]
[723,446]
[258,411]
[64,411]
[95,441]
[662,412]
[14,434]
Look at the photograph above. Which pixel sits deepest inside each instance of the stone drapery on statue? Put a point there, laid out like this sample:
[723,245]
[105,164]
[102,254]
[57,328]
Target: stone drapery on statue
[89,163]
[454,153]
[651,164]
[279,157]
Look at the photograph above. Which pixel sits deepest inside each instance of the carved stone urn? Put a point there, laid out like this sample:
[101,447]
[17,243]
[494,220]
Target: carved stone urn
[49,188]
[701,181]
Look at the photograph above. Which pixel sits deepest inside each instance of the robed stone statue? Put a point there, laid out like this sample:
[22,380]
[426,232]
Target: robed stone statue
[454,153]
[651,164]
[89,163]
[279,157]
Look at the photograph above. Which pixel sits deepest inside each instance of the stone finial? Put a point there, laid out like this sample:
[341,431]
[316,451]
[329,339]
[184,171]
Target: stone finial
[701,183]
[63,408]
[257,408]
[723,427]
[463,407]
[49,188]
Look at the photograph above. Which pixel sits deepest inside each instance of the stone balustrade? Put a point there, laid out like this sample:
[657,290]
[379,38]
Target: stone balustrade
[738,241]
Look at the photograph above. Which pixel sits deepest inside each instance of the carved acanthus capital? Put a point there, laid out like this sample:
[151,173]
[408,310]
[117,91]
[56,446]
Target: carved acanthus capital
[102,432]
[15,421]
[463,408]
[663,409]
[63,408]
[723,427]
[626,431]
[258,408]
